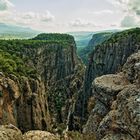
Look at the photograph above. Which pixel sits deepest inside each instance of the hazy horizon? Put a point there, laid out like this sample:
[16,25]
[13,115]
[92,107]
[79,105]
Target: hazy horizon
[71,15]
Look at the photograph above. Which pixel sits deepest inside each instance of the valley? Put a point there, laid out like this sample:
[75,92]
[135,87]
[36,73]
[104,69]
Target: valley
[49,90]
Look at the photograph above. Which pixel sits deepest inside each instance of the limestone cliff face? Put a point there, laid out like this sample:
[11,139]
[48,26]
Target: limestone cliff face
[96,40]
[10,132]
[107,58]
[42,102]
[52,96]
[116,111]
[23,103]
[9,93]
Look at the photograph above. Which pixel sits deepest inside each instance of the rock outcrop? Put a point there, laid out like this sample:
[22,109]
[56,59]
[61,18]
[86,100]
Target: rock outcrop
[96,40]
[40,135]
[42,99]
[42,87]
[116,112]
[23,103]
[106,58]
[10,132]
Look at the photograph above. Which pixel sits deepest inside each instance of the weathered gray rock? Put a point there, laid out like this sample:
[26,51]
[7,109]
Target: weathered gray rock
[117,108]
[40,135]
[106,58]
[105,89]
[125,117]
[10,132]
[9,93]
[44,101]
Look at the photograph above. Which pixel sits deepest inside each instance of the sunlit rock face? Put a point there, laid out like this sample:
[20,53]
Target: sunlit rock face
[116,111]
[10,132]
[44,100]
[45,86]
[106,58]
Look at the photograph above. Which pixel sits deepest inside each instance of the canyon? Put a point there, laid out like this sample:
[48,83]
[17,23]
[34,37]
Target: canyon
[47,92]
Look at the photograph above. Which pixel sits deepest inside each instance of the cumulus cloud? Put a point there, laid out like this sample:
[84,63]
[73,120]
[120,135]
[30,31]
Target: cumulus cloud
[44,17]
[134,5]
[131,9]
[131,5]
[102,12]
[26,18]
[129,21]
[5,5]
[132,17]
[118,2]
[115,3]
[47,16]
[81,23]
[10,15]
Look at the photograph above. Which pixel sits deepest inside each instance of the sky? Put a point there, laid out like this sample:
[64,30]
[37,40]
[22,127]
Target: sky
[71,15]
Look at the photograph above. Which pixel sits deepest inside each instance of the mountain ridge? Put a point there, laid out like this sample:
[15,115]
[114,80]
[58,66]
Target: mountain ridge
[44,86]
[11,31]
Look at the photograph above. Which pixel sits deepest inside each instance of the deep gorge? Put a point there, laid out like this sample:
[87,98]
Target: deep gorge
[44,85]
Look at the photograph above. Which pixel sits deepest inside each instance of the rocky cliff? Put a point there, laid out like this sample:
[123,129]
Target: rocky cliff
[106,58]
[23,103]
[96,40]
[41,96]
[10,132]
[116,111]
[44,86]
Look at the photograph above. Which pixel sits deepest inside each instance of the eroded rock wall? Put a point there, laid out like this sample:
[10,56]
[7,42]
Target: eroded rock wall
[42,102]
[106,58]
[116,112]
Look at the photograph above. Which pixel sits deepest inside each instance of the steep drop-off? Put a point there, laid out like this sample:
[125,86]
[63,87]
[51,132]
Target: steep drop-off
[39,81]
[116,112]
[107,58]
[96,40]
[44,86]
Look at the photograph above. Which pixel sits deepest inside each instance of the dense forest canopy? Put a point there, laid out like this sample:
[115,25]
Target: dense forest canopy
[12,60]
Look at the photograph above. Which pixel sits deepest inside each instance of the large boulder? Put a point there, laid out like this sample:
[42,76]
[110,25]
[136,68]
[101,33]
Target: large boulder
[39,135]
[10,132]
[116,114]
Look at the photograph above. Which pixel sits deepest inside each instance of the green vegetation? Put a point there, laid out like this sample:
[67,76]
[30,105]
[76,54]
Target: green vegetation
[133,35]
[116,37]
[55,37]
[105,38]
[16,54]
[96,40]
[12,64]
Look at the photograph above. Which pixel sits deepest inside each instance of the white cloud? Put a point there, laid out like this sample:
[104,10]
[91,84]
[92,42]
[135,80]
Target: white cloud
[131,10]
[45,17]
[134,5]
[32,19]
[102,12]
[26,18]
[118,2]
[129,21]
[81,23]
[115,3]
[5,5]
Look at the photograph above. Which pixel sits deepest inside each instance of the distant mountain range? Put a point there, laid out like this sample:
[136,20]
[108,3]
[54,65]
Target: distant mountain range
[82,38]
[8,31]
